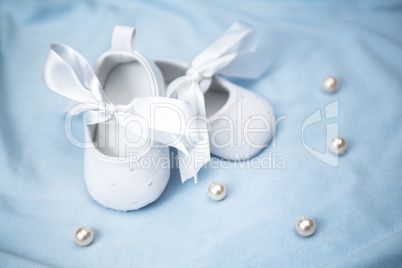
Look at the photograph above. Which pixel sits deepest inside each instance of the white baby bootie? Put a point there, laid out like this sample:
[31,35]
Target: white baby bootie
[129,124]
[241,122]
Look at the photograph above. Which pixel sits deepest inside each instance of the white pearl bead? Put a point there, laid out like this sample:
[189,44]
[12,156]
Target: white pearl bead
[83,236]
[305,226]
[217,191]
[338,145]
[330,84]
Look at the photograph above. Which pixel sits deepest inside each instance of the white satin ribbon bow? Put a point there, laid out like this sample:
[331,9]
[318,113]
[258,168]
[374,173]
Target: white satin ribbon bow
[232,54]
[69,74]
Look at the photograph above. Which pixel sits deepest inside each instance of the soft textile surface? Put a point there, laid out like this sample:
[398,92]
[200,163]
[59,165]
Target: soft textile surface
[357,205]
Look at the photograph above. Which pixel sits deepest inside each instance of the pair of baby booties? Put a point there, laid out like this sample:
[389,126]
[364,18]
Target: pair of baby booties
[134,109]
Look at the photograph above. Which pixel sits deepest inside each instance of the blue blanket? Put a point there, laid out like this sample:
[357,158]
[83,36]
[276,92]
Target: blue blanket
[357,205]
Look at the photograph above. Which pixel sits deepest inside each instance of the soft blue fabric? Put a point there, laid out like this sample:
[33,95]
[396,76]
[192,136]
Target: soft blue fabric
[357,206]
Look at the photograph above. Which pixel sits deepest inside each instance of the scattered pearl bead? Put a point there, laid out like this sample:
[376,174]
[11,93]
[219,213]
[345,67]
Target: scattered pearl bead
[217,191]
[83,236]
[330,84]
[338,145]
[305,226]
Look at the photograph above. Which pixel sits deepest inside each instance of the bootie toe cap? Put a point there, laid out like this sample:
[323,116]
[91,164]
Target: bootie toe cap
[244,127]
[127,184]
